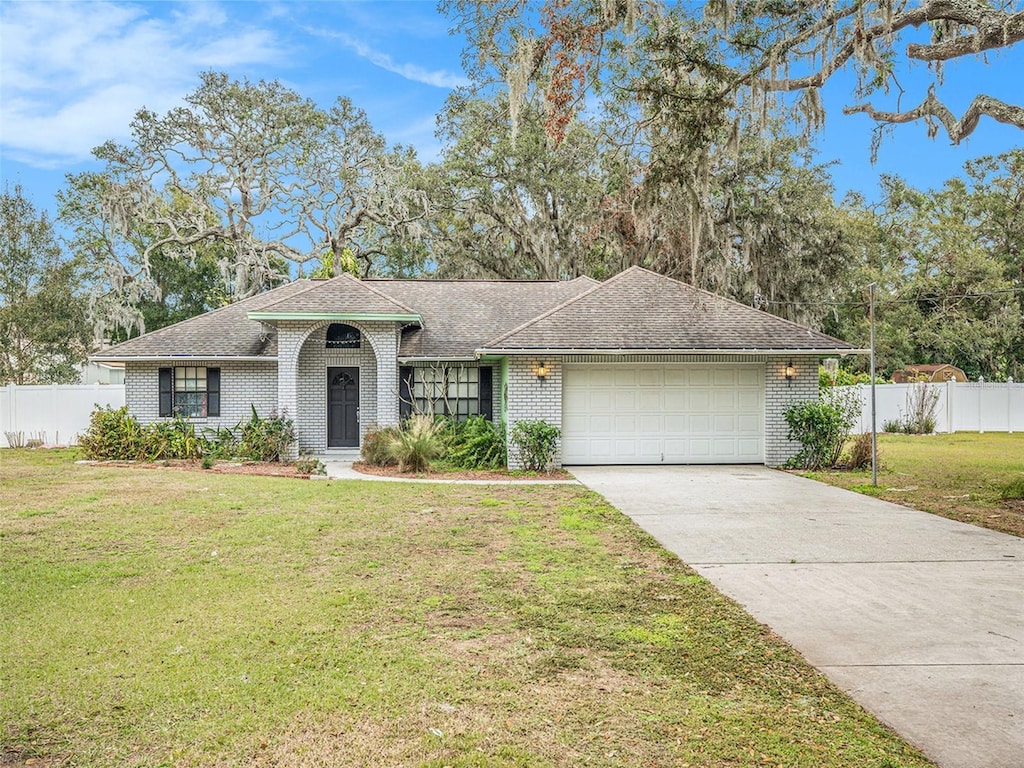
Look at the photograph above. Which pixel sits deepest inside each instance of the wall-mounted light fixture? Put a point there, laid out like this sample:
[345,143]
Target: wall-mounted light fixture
[541,370]
[790,373]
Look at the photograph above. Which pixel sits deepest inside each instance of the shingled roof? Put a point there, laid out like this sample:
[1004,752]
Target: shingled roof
[342,295]
[636,310]
[639,310]
[459,315]
[224,332]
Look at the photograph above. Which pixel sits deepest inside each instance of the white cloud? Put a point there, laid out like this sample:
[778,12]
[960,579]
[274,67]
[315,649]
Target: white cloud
[75,73]
[438,78]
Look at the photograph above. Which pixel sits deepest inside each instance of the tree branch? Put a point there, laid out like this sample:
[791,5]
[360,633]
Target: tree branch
[994,31]
[958,130]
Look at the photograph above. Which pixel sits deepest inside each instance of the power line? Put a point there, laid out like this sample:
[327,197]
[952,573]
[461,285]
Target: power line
[885,302]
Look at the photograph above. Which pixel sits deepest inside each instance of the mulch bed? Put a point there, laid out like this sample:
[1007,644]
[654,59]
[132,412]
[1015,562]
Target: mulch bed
[462,474]
[271,468]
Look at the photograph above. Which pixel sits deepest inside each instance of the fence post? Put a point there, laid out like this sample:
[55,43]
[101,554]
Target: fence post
[981,396]
[1009,404]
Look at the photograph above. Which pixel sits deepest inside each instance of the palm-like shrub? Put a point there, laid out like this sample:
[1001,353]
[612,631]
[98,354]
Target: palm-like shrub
[417,443]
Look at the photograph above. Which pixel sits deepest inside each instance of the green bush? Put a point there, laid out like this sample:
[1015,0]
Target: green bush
[114,435]
[310,465]
[219,443]
[536,442]
[477,444]
[822,428]
[175,439]
[417,443]
[375,447]
[266,439]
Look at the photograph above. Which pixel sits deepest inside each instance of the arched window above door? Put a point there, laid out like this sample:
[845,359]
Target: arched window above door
[341,336]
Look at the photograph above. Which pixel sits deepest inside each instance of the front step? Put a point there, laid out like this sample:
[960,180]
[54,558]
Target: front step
[339,454]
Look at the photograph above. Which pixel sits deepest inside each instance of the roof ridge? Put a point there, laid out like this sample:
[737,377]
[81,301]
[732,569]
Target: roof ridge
[400,305]
[556,308]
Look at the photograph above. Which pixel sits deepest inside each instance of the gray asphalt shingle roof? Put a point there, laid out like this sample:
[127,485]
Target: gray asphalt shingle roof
[342,294]
[224,332]
[641,310]
[635,310]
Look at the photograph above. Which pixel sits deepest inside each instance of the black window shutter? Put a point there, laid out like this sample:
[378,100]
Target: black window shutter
[486,388]
[405,392]
[166,391]
[213,391]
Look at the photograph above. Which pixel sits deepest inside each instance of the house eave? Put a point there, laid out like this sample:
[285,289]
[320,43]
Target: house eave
[340,316]
[552,351]
[101,358]
[438,359]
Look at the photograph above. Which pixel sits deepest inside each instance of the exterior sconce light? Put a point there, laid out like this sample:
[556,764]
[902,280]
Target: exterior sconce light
[790,373]
[541,370]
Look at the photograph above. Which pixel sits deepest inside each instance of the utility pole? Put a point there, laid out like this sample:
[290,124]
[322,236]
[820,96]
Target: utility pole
[874,430]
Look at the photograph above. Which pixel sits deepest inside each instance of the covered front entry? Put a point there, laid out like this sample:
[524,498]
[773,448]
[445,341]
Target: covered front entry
[343,407]
[626,413]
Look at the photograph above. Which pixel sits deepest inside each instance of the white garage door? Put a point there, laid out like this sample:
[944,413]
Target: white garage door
[662,414]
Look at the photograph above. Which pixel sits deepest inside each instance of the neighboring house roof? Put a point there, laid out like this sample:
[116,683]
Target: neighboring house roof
[931,371]
[343,298]
[459,315]
[639,310]
[636,310]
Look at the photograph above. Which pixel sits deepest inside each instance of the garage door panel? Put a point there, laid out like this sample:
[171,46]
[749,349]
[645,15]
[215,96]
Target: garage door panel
[654,413]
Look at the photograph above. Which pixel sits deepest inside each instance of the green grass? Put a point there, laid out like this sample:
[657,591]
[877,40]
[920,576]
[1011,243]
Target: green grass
[169,618]
[964,476]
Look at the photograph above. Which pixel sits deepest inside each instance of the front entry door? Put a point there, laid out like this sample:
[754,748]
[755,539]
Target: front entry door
[342,407]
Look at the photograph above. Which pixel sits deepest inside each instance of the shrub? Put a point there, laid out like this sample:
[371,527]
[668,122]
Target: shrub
[477,444]
[375,447]
[310,465]
[922,402]
[536,442]
[172,440]
[860,451]
[114,435]
[219,443]
[822,428]
[266,439]
[417,443]
[893,425]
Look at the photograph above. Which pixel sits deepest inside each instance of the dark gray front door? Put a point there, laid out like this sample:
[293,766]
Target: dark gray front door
[342,407]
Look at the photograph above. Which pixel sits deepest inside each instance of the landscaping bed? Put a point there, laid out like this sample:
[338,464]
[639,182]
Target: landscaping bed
[266,468]
[442,473]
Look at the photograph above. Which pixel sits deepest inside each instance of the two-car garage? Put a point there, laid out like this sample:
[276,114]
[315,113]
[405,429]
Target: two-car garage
[653,413]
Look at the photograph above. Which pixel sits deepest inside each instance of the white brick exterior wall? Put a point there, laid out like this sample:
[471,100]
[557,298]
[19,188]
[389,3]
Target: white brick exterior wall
[779,395]
[531,398]
[242,385]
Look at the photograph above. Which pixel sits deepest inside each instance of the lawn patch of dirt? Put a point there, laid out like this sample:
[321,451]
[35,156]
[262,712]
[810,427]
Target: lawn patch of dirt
[461,474]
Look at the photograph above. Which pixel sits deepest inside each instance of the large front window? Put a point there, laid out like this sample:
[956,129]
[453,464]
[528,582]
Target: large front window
[452,390]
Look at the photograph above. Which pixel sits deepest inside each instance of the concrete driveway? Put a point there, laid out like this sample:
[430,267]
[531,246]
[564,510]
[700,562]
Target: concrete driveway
[918,618]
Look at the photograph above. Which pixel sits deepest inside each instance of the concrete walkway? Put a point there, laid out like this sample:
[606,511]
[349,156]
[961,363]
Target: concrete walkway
[918,618]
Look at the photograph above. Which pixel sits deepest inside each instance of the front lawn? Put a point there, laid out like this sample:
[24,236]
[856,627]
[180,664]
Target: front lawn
[959,476]
[158,617]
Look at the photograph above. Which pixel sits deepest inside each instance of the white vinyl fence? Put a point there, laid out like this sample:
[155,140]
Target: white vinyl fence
[53,414]
[970,407]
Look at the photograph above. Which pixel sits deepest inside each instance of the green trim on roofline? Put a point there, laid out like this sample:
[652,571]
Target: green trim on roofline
[336,316]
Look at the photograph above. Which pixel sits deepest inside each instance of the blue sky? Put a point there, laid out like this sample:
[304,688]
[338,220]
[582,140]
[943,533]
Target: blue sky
[72,74]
